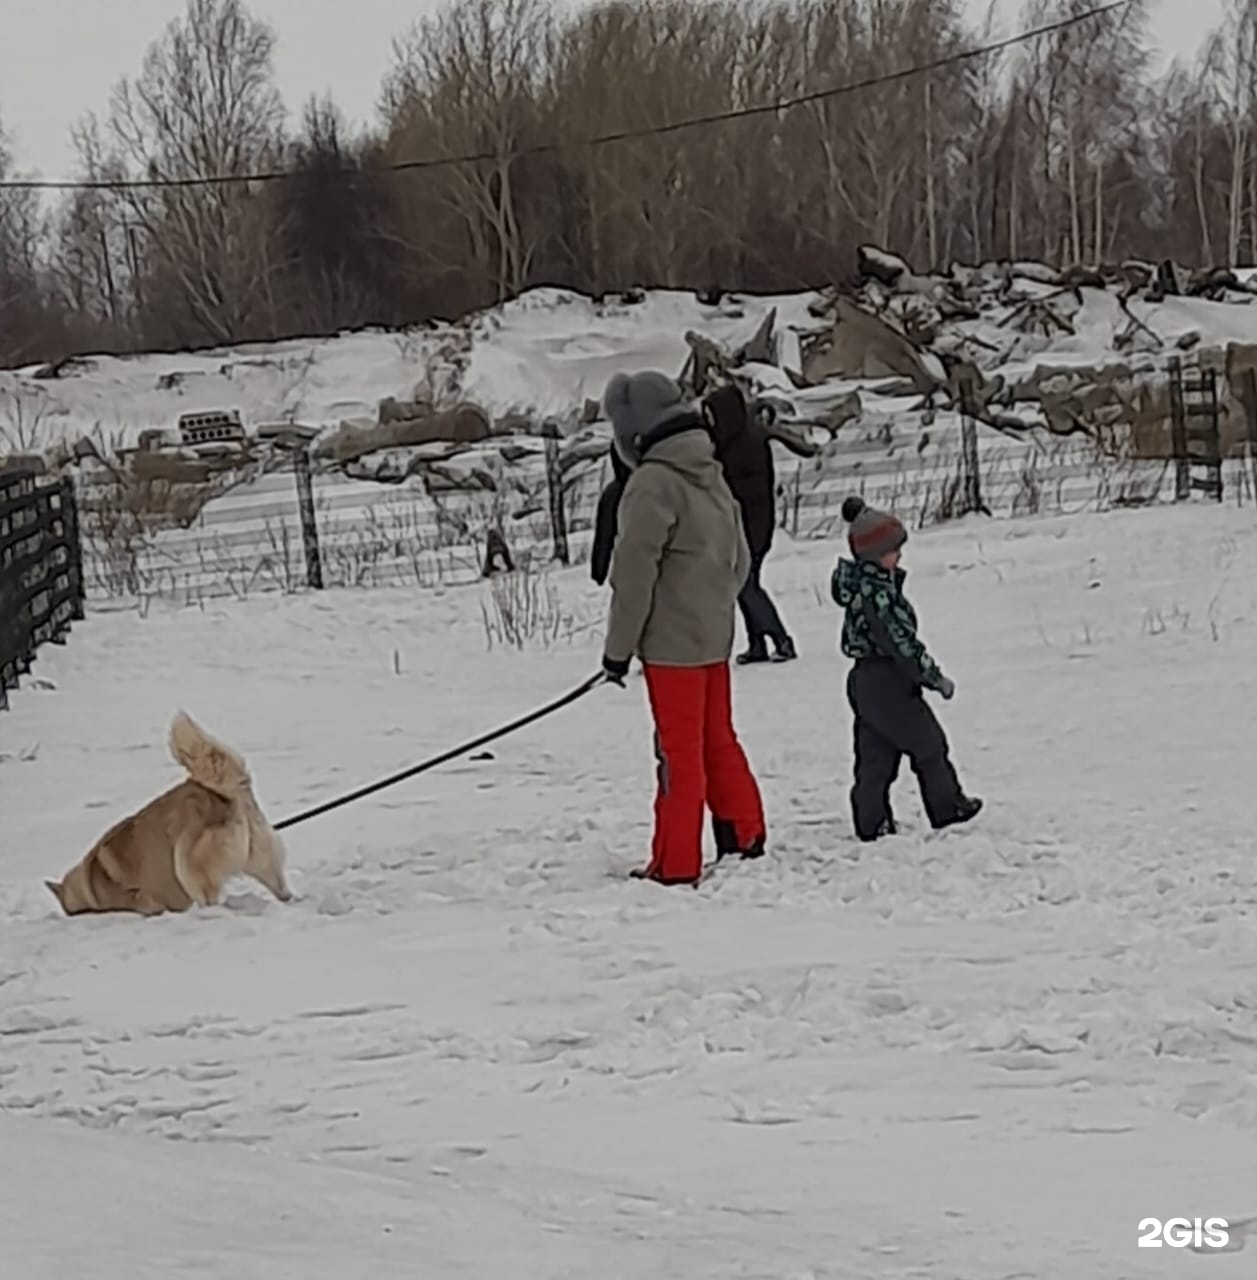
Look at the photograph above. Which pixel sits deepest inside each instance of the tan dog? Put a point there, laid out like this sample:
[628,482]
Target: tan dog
[184,846]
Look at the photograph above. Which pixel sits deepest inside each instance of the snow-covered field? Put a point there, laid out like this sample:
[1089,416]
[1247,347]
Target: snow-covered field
[472,1048]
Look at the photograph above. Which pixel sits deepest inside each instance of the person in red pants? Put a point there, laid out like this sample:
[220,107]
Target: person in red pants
[679,562]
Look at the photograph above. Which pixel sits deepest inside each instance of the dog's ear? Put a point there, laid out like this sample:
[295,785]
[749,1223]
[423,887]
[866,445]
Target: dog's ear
[57,889]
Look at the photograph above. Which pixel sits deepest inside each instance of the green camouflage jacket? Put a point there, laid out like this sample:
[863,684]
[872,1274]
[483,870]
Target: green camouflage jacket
[879,619]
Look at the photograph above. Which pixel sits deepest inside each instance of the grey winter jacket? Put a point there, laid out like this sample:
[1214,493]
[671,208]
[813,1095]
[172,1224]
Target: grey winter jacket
[680,556]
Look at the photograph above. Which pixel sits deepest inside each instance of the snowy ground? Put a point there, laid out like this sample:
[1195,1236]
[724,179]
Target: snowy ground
[473,1049]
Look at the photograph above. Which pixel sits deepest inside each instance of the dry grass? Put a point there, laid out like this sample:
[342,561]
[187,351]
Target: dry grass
[524,610]
[24,422]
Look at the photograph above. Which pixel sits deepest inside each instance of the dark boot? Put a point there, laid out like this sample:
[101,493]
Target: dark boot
[885,828]
[757,850]
[786,652]
[966,809]
[727,842]
[756,651]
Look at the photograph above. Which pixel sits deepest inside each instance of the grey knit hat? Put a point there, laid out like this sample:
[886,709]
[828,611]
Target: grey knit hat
[873,533]
[636,404]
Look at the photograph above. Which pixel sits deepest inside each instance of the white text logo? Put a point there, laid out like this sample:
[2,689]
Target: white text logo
[1178,1233]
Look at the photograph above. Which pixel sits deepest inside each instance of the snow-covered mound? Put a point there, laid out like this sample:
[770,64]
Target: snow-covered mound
[543,353]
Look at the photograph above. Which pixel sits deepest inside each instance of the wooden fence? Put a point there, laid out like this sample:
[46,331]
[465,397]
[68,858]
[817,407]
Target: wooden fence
[41,575]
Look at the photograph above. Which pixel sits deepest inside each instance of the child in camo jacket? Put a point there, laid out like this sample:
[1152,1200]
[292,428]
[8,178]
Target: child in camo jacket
[890,670]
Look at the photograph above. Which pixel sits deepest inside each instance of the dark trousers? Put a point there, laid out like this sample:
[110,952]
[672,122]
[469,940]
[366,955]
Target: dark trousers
[759,614]
[893,720]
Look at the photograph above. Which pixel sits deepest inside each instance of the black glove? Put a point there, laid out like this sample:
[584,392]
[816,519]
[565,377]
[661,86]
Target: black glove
[947,688]
[615,671]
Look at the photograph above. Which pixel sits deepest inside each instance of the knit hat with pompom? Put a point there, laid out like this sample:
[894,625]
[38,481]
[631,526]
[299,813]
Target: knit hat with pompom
[873,533]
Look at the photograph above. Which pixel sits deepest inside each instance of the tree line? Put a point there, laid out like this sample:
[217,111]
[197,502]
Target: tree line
[1066,148]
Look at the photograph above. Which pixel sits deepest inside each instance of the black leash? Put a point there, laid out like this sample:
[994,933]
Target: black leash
[452,754]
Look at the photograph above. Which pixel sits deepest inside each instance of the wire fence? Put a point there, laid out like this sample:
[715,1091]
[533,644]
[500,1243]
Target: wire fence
[290,528]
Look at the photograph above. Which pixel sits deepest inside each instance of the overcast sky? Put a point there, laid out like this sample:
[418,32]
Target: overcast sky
[60,58]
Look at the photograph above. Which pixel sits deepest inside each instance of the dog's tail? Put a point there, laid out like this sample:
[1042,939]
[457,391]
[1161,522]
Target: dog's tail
[211,763]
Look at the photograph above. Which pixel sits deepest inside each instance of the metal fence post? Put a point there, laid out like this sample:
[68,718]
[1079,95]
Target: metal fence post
[309,523]
[1178,432]
[1248,397]
[972,464]
[558,507]
[967,381]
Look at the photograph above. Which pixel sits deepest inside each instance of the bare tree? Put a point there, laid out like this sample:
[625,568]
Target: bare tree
[1189,153]
[205,104]
[331,214]
[1084,97]
[1230,69]
[91,253]
[1063,148]
[464,82]
[27,325]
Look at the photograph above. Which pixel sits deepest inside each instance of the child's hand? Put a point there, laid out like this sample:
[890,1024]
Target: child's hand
[947,688]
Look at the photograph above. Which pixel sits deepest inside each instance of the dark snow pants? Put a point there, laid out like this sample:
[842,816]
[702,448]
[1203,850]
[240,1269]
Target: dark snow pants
[759,614]
[893,720]
[606,523]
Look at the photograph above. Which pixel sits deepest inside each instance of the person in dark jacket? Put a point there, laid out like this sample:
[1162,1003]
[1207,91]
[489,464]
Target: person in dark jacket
[606,521]
[745,454]
[890,670]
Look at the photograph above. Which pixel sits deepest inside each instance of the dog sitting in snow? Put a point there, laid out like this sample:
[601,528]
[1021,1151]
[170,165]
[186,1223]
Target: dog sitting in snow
[184,846]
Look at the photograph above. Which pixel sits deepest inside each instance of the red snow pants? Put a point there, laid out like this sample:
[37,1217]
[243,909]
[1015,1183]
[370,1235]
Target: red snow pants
[701,764]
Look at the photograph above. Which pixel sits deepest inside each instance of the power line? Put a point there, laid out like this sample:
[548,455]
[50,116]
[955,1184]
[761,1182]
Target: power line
[599,140]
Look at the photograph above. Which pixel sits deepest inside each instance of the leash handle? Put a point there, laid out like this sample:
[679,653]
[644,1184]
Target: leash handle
[452,754]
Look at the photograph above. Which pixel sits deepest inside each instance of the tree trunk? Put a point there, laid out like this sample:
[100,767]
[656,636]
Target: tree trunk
[1097,243]
[1075,210]
[1198,186]
[1235,196]
[931,206]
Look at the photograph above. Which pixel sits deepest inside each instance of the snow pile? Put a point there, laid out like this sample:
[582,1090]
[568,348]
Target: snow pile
[985,1053]
[1006,315]
[544,353]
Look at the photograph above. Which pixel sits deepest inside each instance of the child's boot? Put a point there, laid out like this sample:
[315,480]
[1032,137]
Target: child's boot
[967,808]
